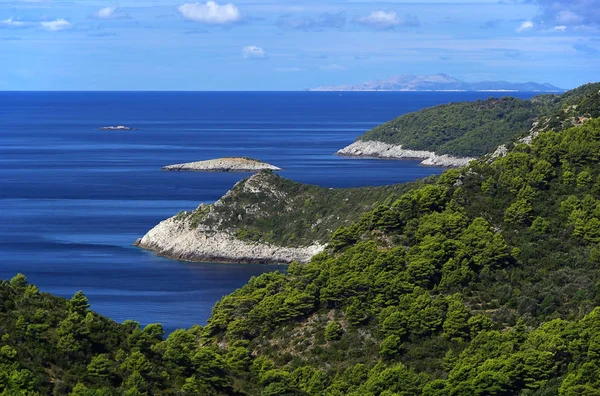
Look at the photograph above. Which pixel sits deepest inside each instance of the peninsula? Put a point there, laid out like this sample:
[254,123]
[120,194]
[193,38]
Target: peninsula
[229,164]
[454,134]
[263,219]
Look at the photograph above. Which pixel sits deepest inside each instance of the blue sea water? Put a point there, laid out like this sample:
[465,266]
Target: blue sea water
[73,198]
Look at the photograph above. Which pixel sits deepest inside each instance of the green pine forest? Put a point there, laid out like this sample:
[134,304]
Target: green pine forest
[482,281]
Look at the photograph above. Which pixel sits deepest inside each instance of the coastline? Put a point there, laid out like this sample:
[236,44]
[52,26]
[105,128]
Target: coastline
[177,240]
[376,149]
[232,164]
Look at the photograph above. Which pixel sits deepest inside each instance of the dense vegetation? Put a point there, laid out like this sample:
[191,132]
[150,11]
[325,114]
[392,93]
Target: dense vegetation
[268,208]
[53,346]
[484,281]
[472,129]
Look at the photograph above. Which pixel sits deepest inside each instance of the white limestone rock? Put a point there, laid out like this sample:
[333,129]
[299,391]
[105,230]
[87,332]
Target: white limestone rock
[177,240]
[372,148]
[232,164]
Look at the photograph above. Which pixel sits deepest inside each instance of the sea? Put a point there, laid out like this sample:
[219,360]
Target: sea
[74,198]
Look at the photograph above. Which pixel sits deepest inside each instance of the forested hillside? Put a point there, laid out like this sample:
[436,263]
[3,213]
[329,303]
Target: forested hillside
[484,281]
[472,129]
[267,208]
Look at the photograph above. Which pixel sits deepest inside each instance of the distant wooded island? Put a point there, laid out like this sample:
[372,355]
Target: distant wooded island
[440,82]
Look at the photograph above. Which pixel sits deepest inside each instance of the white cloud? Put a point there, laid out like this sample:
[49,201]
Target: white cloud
[109,13]
[253,52]
[56,25]
[561,28]
[383,20]
[12,23]
[210,13]
[526,25]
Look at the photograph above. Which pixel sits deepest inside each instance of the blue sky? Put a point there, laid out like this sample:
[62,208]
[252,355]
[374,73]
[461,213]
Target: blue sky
[291,44]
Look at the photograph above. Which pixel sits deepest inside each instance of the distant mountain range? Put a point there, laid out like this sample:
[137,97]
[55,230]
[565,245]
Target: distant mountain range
[440,82]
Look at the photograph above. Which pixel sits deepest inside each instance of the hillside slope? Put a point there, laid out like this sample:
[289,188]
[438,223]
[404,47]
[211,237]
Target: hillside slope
[472,129]
[476,285]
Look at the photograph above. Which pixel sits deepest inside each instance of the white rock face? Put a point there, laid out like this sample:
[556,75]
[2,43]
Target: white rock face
[501,151]
[233,164]
[372,148]
[176,239]
[117,128]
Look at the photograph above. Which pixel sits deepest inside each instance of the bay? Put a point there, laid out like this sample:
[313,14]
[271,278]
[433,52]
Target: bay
[73,198]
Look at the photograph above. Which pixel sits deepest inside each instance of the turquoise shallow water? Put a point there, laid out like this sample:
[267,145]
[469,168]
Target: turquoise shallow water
[73,199]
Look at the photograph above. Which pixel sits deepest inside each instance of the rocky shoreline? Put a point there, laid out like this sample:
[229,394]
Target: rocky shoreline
[375,149]
[176,239]
[233,164]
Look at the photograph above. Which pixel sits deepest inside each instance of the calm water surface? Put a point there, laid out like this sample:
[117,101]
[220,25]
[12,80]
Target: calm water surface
[73,199]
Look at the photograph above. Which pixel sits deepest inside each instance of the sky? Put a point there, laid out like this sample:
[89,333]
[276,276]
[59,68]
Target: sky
[292,44]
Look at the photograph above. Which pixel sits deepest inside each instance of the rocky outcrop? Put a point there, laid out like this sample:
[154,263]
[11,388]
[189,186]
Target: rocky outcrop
[233,164]
[117,128]
[206,234]
[178,240]
[371,148]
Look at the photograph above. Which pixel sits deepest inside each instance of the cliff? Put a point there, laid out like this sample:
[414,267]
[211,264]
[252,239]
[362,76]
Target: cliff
[371,148]
[179,240]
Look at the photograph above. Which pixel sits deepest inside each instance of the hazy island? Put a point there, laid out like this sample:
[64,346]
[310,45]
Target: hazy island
[228,164]
[439,83]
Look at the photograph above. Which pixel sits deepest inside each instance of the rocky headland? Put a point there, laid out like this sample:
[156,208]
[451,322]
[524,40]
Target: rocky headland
[264,218]
[375,149]
[212,233]
[232,164]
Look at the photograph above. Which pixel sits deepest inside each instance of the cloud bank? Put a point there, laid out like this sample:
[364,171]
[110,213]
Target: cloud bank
[210,13]
[109,13]
[56,25]
[13,23]
[526,25]
[386,20]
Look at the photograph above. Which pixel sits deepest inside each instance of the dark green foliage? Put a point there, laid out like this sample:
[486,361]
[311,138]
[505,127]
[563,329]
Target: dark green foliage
[472,129]
[468,129]
[469,286]
[333,331]
[51,346]
[270,209]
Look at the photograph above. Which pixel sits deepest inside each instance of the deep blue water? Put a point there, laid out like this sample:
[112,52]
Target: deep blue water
[73,199]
